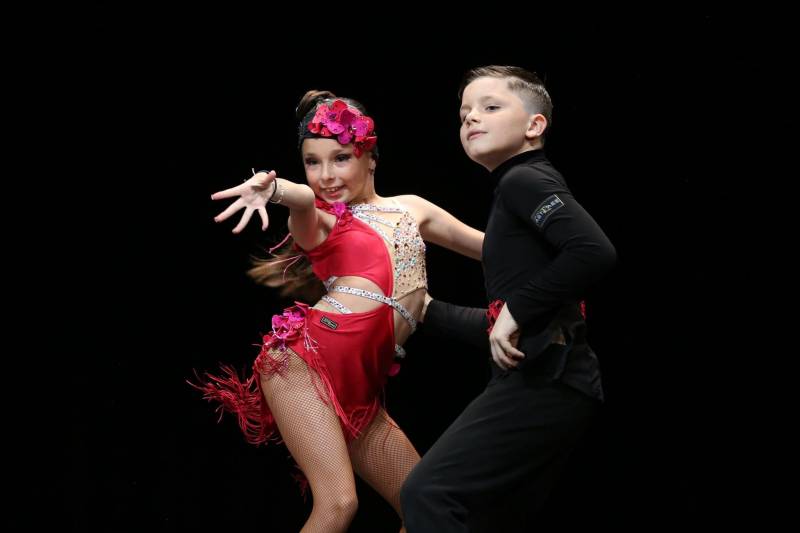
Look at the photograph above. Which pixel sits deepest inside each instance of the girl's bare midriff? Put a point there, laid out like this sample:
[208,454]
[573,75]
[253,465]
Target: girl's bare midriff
[412,301]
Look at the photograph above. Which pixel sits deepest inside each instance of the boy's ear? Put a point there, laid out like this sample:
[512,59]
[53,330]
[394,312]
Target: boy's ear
[536,127]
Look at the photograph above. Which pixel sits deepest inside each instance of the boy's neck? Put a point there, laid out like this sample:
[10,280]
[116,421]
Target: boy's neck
[527,148]
[522,157]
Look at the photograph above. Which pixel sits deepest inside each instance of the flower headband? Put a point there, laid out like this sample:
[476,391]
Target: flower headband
[345,123]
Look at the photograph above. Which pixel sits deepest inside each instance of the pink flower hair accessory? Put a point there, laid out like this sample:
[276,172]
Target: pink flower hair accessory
[347,124]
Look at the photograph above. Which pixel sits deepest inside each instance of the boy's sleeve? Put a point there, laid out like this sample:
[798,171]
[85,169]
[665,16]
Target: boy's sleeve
[467,324]
[583,252]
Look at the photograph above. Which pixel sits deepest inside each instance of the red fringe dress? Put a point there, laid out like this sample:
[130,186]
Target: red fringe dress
[349,355]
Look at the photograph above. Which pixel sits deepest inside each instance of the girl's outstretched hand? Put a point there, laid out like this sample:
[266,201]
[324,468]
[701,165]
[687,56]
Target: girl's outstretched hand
[253,196]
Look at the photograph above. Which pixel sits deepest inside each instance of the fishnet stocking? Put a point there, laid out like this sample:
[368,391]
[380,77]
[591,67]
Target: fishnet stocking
[383,457]
[314,437]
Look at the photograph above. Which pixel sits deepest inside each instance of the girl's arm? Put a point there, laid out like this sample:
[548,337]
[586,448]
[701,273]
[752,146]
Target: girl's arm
[305,222]
[440,227]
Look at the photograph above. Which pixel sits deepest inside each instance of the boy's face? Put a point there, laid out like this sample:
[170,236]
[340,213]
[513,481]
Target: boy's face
[494,122]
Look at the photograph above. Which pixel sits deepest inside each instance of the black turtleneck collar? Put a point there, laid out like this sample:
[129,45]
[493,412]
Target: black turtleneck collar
[529,156]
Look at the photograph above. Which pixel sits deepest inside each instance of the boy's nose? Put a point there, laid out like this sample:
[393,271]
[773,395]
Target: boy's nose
[472,116]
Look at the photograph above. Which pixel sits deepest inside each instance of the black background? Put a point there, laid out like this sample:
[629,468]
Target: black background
[651,128]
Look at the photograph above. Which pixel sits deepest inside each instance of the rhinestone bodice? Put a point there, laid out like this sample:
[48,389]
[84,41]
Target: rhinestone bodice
[399,230]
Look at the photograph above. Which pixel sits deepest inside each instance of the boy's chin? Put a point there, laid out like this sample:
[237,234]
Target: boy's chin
[476,156]
[482,158]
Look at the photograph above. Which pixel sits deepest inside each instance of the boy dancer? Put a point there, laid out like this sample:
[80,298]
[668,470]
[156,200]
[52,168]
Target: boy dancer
[541,252]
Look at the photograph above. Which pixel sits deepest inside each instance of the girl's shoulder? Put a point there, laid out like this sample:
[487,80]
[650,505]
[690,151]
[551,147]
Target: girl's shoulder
[407,200]
[418,207]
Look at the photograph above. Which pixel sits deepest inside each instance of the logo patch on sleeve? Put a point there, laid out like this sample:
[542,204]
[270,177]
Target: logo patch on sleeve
[548,207]
[328,322]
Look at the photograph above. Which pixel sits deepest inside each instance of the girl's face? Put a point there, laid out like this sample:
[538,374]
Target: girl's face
[334,173]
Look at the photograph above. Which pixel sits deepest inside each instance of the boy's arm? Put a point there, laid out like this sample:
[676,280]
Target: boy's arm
[584,253]
[448,320]
[455,321]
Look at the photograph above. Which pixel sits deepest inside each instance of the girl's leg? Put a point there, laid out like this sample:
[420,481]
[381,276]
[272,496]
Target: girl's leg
[383,456]
[314,437]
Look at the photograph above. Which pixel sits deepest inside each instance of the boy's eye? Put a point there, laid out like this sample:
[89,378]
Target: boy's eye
[311,161]
[492,107]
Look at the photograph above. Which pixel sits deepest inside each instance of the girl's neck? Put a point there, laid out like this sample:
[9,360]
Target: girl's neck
[370,198]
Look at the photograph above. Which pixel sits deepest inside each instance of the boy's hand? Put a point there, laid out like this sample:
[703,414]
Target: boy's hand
[503,340]
[425,307]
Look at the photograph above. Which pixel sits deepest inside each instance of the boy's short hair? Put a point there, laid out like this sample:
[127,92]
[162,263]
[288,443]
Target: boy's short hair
[524,83]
